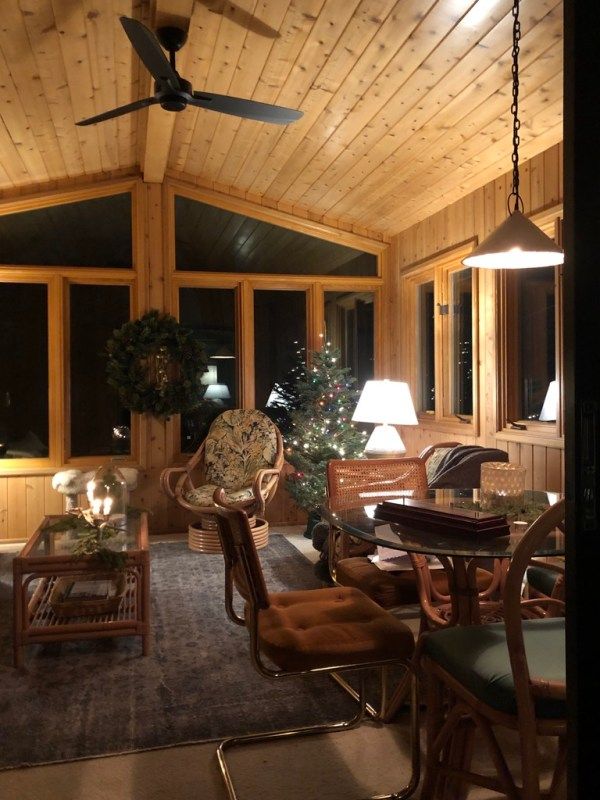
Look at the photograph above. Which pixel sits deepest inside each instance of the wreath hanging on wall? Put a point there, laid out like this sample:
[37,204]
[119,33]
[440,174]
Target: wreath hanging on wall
[156,365]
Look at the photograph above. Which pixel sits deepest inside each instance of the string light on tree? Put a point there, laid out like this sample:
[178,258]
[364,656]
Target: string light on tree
[321,427]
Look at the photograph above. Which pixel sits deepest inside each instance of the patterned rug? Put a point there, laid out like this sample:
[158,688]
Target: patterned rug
[98,697]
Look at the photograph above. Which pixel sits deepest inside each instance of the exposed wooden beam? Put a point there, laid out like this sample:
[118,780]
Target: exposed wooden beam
[161,123]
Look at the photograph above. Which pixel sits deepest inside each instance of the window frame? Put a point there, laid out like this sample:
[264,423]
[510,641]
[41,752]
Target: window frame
[535,431]
[246,284]
[439,271]
[58,279]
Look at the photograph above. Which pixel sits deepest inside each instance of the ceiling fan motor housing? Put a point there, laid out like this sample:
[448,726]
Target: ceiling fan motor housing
[173,99]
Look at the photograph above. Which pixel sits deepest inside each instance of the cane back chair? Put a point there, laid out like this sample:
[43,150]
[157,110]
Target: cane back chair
[354,482]
[312,631]
[242,454]
[509,674]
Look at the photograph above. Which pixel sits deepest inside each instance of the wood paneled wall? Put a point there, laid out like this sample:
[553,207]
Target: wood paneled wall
[25,497]
[470,220]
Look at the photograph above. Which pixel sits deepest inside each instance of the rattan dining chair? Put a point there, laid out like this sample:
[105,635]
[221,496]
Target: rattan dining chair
[306,632]
[353,482]
[509,674]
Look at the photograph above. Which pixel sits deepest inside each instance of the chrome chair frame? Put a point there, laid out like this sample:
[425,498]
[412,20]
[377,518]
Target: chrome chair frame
[252,623]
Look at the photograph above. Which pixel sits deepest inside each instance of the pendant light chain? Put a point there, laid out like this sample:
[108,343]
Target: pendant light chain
[514,109]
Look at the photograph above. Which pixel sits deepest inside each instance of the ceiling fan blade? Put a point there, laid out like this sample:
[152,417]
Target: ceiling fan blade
[242,17]
[249,109]
[117,112]
[149,50]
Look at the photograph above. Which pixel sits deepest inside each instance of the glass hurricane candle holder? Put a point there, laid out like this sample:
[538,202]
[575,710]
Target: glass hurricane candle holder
[107,492]
[502,484]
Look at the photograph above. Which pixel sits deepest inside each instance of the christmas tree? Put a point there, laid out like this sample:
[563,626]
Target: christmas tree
[321,426]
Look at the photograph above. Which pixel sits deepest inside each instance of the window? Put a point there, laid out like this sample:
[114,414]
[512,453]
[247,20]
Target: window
[55,403]
[24,409]
[211,239]
[99,426]
[530,357]
[261,292]
[86,233]
[425,394]
[211,313]
[279,331]
[460,341]
[440,301]
[349,326]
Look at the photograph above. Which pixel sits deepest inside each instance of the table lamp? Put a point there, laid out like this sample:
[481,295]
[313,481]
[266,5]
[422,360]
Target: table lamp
[218,393]
[385,403]
[549,411]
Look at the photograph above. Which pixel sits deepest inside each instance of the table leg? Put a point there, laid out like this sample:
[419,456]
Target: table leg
[145,579]
[465,593]
[17,615]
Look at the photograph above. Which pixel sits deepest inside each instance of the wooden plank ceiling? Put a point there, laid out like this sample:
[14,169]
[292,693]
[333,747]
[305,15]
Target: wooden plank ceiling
[406,102]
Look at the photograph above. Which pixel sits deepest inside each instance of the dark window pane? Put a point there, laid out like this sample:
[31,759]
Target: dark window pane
[426,344]
[461,342]
[99,426]
[279,332]
[209,239]
[534,356]
[349,322]
[24,370]
[89,233]
[211,315]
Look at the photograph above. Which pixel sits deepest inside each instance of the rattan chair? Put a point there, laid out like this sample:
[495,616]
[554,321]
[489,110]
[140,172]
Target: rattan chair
[509,674]
[305,632]
[242,454]
[353,482]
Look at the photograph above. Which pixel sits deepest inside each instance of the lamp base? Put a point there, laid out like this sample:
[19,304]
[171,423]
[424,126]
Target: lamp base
[385,453]
[385,442]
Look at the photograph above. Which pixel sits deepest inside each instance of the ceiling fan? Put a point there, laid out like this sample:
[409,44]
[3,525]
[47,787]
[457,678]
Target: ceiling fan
[174,93]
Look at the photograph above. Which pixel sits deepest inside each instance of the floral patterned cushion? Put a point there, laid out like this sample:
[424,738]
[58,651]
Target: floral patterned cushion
[203,495]
[239,443]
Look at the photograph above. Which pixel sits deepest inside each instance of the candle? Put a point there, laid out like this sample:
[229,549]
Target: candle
[90,493]
[107,506]
[96,505]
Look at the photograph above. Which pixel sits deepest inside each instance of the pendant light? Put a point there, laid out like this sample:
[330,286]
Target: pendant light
[517,243]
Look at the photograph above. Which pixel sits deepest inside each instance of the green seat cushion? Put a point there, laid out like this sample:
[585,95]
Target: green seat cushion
[477,656]
[541,579]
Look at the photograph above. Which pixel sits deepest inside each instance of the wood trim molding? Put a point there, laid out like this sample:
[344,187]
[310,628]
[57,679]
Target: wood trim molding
[238,205]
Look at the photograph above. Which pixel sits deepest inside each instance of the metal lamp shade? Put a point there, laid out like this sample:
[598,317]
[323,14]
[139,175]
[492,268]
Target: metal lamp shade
[516,244]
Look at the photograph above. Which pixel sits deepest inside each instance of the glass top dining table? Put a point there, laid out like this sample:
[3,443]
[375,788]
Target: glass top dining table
[459,553]
[362,521]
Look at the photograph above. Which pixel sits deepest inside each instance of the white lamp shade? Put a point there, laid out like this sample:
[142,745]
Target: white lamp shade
[217,391]
[516,244]
[386,402]
[210,376]
[276,399]
[549,412]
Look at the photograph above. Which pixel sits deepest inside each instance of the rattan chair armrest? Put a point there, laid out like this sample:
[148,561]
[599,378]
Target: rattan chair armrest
[262,493]
[539,602]
[166,480]
[557,690]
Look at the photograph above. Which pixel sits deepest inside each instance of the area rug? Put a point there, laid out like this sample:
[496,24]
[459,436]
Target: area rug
[100,697]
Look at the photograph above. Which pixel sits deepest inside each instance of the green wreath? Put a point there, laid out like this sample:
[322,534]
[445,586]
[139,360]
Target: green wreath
[156,365]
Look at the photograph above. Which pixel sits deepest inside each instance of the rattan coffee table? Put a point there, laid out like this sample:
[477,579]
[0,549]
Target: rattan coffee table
[47,558]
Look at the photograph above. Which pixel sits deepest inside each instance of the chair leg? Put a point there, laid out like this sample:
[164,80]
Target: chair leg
[255,738]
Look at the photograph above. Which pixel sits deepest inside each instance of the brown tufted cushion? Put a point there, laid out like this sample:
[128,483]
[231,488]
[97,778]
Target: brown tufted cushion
[390,589]
[325,627]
